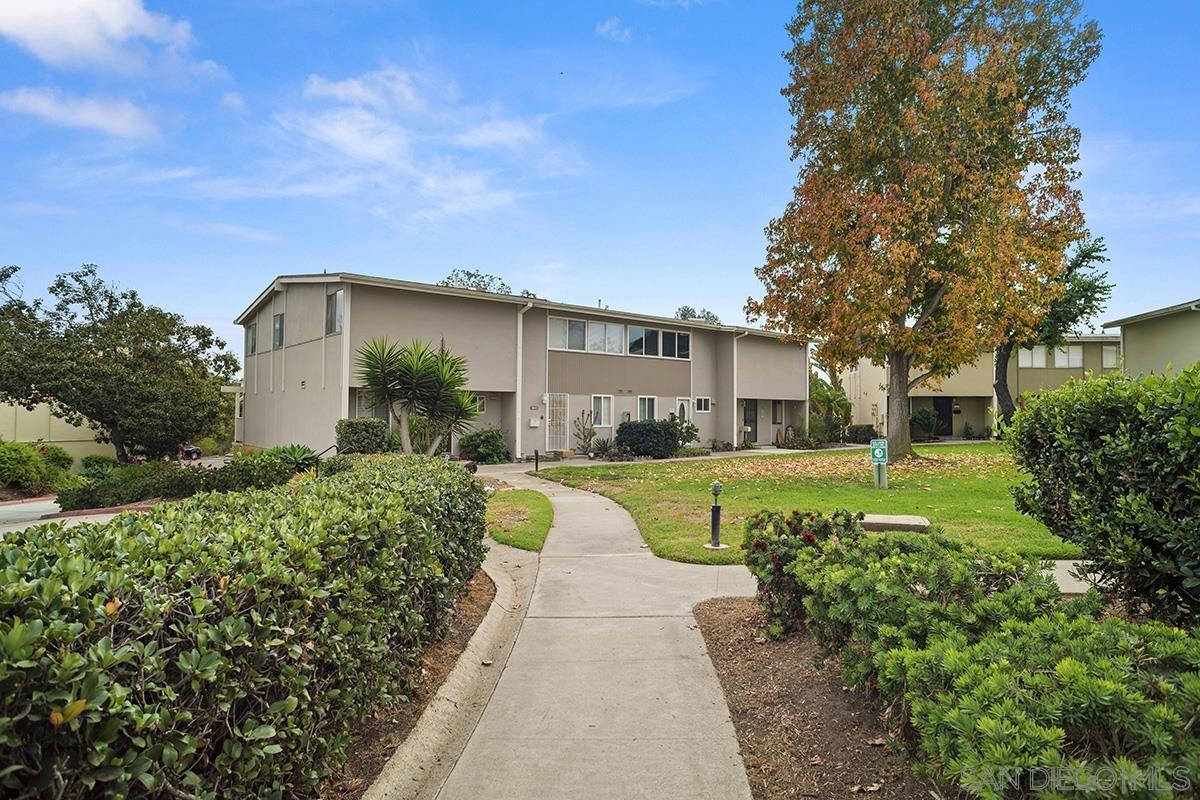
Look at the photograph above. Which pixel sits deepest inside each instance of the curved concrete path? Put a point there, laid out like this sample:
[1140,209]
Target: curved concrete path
[609,691]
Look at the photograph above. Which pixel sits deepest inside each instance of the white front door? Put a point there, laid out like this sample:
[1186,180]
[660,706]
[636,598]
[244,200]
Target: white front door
[683,408]
[558,423]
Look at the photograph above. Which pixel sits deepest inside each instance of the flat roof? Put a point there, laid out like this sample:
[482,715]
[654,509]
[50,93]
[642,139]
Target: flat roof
[475,294]
[1191,305]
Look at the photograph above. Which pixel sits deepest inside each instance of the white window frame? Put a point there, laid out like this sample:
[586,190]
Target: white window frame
[707,403]
[607,343]
[566,342]
[1066,357]
[1110,349]
[481,403]
[687,417]
[600,422]
[360,407]
[1028,357]
[653,403]
[252,339]
[277,323]
[659,332]
[337,321]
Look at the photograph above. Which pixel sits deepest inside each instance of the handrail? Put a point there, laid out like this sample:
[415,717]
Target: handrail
[317,468]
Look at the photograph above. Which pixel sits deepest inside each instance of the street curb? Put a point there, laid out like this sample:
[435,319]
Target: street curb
[420,766]
[24,500]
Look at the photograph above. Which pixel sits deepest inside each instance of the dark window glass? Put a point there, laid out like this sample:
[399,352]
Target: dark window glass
[668,344]
[576,335]
[685,345]
[637,340]
[277,331]
[777,412]
[251,339]
[651,342]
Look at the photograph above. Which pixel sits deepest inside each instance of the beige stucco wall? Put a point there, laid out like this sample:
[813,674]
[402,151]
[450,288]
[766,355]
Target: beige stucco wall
[1023,380]
[973,379]
[483,332]
[769,368]
[597,373]
[295,393]
[18,424]
[866,389]
[1153,344]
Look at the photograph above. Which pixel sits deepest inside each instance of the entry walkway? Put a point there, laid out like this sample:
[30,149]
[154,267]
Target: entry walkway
[609,691]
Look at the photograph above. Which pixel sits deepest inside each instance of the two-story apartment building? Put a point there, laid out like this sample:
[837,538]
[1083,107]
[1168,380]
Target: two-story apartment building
[533,364]
[966,399]
[1160,339]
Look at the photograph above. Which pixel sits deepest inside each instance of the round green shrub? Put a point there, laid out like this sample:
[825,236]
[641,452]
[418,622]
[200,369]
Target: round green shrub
[485,446]
[55,456]
[97,466]
[21,466]
[652,438]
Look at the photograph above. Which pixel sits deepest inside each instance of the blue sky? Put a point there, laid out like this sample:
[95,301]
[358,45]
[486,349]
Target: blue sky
[624,150]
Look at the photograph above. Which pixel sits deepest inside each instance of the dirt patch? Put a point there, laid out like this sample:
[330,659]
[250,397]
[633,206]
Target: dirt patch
[495,484]
[801,733]
[378,736]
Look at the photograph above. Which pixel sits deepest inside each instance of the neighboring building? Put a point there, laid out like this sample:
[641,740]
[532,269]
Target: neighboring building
[967,398]
[534,364]
[1156,340]
[18,424]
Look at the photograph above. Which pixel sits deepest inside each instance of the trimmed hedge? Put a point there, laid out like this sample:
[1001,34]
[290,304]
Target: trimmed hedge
[21,465]
[648,438]
[1000,687]
[1114,466]
[362,435]
[170,480]
[861,434]
[485,446]
[221,646]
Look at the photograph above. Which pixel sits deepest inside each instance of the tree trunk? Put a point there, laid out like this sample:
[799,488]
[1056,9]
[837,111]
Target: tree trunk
[1004,400]
[434,445]
[118,443]
[899,435]
[402,421]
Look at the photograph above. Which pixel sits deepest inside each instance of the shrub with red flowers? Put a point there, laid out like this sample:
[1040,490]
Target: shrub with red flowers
[774,541]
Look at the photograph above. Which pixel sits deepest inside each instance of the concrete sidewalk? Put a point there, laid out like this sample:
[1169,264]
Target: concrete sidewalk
[609,691]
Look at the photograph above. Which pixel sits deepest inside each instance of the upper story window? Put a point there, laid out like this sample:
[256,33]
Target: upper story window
[606,337]
[335,309]
[1111,355]
[568,334]
[251,338]
[655,342]
[277,331]
[1070,356]
[1032,357]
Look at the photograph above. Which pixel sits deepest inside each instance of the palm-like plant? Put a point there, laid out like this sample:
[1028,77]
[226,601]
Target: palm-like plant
[417,380]
[831,404]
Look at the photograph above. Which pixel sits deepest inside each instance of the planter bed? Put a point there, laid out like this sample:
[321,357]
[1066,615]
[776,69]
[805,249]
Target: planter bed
[801,732]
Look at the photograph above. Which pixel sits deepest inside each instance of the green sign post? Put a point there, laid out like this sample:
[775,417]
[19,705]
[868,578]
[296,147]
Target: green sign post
[879,460]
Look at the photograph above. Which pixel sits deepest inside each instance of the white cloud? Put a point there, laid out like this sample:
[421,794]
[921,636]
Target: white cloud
[382,90]
[112,34]
[114,117]
[502,133]
[234,102]
[356,133]
[612,28]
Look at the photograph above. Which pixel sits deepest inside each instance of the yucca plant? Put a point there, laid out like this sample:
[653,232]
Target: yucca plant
[297,456]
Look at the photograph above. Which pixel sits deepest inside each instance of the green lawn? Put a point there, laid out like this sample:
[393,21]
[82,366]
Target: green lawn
[519,518]
[961,488]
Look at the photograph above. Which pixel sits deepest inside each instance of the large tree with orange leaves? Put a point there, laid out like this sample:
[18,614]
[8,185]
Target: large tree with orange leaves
[935,190]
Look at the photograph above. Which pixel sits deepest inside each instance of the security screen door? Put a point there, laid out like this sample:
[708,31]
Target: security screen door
[558,419]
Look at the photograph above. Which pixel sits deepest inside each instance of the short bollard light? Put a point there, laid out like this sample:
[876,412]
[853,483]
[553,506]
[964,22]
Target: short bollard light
[715,542]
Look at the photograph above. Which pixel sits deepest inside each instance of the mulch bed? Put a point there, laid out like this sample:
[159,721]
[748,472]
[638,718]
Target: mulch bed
[379,735]
[802,733]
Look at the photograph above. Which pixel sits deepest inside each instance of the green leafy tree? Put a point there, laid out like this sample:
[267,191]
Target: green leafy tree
[143,377]
[417,381]
[690,313]
[1082,290]
[474,279]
